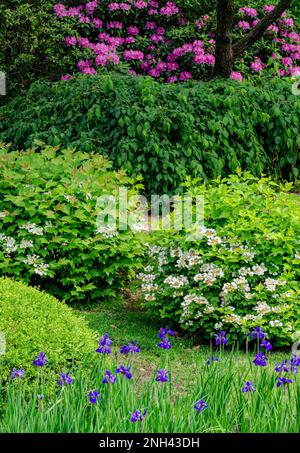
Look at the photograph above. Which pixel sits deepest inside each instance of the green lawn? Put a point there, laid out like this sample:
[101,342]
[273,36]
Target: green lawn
[125,322]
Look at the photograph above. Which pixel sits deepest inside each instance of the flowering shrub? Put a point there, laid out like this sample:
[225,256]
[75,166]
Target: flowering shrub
[242,272]
[48,230]
[164,132]
[30,43]
[158,39]
[34,321]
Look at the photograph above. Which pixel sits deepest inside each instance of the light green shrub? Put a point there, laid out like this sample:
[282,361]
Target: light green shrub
[32,322]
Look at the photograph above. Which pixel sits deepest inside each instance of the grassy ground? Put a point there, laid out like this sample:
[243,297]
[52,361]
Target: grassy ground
[126,322]
[164,406]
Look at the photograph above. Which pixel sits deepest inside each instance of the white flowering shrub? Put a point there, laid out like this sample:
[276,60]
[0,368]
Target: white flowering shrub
[49,236]
[244,269]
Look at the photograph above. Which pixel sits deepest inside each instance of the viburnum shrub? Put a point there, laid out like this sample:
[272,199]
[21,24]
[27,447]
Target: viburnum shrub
[243,271]
[158,39]
[49,236]
[165,132]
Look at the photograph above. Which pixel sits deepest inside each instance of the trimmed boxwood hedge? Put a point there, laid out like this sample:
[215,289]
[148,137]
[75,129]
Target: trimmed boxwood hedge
[31,322]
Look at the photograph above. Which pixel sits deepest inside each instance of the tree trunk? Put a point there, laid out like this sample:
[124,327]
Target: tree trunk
[224,52]
[258,31]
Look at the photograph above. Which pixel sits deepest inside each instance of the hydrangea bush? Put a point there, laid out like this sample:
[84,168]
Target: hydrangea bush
[157,38]
[48,224]
[242,272]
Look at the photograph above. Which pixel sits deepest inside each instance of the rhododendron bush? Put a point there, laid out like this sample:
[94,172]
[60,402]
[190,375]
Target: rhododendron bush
[156,38]
[240,271]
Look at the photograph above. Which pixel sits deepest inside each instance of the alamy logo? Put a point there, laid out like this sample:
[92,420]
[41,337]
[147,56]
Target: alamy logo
[296,85]
[2,84]
[2,343]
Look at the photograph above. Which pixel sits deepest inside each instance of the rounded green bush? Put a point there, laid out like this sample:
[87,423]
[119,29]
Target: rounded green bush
[32,322]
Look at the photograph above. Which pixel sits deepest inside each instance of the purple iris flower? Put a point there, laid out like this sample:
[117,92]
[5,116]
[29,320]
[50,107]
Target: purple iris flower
[248,387]
[109,378]
[267,345]
[164,344]
[93,396]
[200,405]
[163,332]
[258,333]
[65,378]
[104,345]
[125,371]
[260,359]
[137,416]
[220,338]
[283,381]
[162,376]
[212,359]
[131,348]
[282,367]
[40,360]
[17,373]
[294,363]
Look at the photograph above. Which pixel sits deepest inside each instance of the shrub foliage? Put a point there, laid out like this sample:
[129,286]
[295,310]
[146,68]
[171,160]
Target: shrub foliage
[32,321]
[243,270]
[48,224]
[164,132]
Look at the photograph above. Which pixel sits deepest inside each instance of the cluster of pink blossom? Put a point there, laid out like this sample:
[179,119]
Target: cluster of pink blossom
[250,12]
[139,33]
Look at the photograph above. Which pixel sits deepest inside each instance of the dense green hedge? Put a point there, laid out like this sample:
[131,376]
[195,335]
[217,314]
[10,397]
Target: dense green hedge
[164,132]
[32,322]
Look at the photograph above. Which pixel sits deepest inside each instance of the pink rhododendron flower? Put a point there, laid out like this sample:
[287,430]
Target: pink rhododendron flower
[150,26]
[84,42]
[185,75]
[269,8]
[133,55]
[236,76]
[71,40]
[244,25]
[66,77]
[140,4]
[114,24]
[98,23]
[287,61]
[250,12]
[133,30]
[294,72]
[288,22]
[294,36]
[273,28]
[60,10]
[257,65]
[169,9]
[172,79]
[155,72]
[91,6]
